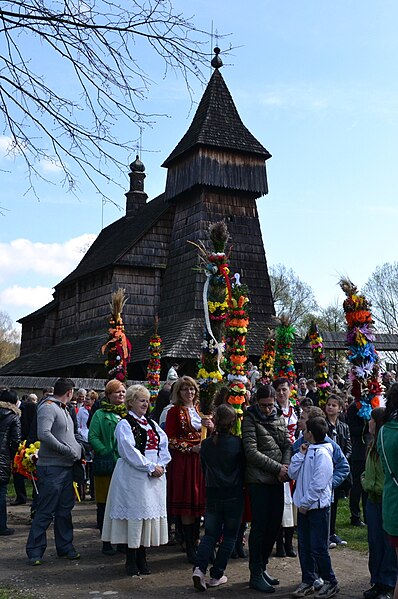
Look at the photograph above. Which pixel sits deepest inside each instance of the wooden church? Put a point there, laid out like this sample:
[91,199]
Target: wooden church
[216,172]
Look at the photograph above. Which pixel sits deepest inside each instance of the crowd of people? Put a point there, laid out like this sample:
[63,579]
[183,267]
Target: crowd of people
[160,474]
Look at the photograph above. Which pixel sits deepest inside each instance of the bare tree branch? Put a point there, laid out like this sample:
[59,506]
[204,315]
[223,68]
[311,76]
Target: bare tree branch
[96,44]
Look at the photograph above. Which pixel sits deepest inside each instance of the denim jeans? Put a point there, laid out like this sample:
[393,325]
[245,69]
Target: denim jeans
[313,545]
[382,557]
[267,503]
[3,506]
[223,517]
[55,502]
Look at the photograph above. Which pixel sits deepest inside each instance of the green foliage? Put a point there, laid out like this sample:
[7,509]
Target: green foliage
[356,537]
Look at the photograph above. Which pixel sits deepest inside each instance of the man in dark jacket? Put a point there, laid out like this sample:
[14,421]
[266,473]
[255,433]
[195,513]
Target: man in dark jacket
[10,437]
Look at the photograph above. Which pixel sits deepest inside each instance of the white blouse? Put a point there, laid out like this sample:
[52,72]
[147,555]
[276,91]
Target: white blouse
[196,420]
[127,450]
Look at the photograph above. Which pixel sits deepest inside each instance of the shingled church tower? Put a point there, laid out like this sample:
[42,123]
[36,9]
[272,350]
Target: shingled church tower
[216,172]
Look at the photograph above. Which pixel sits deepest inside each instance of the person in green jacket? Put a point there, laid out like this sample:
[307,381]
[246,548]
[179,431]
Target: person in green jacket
[382,558]
[387,446]
[101,437]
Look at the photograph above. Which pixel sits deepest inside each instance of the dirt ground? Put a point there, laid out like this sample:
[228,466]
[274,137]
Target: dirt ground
[96,576]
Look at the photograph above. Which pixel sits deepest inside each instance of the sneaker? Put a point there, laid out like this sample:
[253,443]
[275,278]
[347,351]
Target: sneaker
[303,590]
[71,554]
[336,539]
[318,584]
[216,582]
[329,589]
[332,545]
[358,523]
[199,580]
[35,561]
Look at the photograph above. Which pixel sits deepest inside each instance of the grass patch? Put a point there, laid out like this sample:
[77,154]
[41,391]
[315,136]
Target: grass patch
[11,492]
[356,536]
[8,593]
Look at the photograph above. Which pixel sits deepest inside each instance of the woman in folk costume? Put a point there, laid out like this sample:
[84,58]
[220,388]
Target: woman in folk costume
[135,512]
[185,483]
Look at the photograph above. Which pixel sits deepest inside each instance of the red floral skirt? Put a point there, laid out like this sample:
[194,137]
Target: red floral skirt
[186,495]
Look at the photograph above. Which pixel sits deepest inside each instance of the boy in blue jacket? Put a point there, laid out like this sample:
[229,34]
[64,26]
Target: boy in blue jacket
[312,468]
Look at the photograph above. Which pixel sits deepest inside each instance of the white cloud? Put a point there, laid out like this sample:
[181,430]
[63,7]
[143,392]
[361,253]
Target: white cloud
[7,148]
[51,165]
[30,298]
[51,259]
[4,144]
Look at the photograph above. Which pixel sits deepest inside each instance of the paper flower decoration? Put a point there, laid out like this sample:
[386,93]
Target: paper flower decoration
[364,372]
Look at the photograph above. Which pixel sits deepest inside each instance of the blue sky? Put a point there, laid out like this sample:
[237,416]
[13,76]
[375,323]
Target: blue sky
[316,83]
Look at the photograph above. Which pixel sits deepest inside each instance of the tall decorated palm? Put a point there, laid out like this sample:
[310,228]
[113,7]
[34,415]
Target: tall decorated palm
[284,361]
[364,360]
[154,364]
[216,294]
[118,347]
[267,359]
[236,353]
[321,369]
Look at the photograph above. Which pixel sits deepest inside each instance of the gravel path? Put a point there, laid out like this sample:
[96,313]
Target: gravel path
[96,576]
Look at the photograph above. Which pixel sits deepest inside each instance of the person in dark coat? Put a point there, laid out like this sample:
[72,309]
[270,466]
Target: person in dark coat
[360,439]
[28,414]
[268,449]
[10,437]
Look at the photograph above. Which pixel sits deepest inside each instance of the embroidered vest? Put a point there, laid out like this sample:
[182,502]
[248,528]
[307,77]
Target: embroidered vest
[140,434]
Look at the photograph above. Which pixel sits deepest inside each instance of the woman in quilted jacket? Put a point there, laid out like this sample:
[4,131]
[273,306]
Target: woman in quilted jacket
[267,450]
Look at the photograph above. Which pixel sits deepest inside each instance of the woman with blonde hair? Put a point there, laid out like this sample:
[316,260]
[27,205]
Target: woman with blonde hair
[185,484]
[135,512]
[102,440]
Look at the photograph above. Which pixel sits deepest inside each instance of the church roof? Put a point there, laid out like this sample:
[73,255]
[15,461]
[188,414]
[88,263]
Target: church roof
[81,351]
[217,123]
[117,238]
[41,311]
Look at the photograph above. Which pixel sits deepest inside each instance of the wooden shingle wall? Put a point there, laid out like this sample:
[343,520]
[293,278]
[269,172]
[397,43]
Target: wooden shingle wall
[39,332]
[183,283]
[217,168]
[247,257]
[82,304]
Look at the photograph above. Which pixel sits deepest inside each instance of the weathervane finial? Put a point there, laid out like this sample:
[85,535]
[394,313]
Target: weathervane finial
[216,62]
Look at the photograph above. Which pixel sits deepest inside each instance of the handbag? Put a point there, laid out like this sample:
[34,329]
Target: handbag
[103,465]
